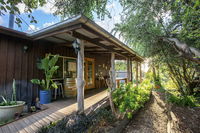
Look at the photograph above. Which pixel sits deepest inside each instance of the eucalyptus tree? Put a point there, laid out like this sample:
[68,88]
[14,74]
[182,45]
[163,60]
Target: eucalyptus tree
[148,23]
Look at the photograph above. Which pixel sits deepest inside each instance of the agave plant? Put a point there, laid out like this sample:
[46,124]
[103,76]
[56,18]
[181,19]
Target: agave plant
[7,101]
[48,65]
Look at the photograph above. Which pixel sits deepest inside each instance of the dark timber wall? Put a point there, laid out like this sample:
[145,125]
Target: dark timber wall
[21,66]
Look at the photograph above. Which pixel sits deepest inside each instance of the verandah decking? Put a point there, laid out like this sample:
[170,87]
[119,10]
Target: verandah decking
[56,110]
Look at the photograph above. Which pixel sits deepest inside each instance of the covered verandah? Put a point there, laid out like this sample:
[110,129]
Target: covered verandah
[82,40]
[88,40]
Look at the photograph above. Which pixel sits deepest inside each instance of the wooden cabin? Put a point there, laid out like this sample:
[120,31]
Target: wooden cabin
[19,53]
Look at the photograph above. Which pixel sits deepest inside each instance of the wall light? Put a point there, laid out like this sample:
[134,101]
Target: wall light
[25,48]
[76,46]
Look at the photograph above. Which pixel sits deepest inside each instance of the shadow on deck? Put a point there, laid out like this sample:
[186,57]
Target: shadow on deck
[56,111]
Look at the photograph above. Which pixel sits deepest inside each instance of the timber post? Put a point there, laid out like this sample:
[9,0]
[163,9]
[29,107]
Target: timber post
[128,69]
[131,71]
[136,73]
[80,78]
[140,72]
[113,78]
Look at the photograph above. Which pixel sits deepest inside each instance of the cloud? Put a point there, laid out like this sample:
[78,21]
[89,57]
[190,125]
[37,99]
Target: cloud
[49,7]
[32,28]
[47,24]
[1,20]
[109,23]
[111,5]
[21,7]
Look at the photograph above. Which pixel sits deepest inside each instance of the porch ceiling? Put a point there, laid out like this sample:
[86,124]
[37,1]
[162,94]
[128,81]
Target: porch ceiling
[97,39]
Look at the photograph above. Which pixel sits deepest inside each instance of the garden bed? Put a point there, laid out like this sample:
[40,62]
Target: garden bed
[181,119]
[97,119]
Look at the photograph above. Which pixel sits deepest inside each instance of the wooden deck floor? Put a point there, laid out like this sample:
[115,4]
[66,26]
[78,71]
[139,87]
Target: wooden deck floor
[57,110]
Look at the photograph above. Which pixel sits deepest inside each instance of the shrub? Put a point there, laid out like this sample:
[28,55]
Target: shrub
[183,100]
[129,98]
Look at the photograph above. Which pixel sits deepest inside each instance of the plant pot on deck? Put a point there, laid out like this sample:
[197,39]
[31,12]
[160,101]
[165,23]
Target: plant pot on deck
[9,112]
[45,96]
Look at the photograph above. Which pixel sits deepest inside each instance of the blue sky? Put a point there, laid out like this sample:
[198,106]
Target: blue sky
[45,18]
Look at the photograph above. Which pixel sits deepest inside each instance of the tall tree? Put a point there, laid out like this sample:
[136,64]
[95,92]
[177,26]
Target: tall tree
[148,23]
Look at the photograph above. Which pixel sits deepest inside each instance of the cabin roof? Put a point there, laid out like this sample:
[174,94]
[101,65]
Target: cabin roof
[98,40]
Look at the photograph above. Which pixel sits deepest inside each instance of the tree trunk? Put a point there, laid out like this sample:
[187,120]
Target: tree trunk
[80,78]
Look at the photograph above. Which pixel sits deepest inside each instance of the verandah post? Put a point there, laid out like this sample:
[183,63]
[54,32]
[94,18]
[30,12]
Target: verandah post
[140,72]
[80,78]
[136,73]
[131,71]
[128,69]
[113,78]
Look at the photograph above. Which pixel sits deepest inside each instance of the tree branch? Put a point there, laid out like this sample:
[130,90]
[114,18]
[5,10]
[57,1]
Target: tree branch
[184,50]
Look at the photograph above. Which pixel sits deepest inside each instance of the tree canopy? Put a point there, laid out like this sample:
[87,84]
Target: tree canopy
[11,7]
[149,24]
[68,8]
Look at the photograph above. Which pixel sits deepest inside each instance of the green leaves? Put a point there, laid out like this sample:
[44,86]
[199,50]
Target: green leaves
[190,101]
[13,100]
[35,81]
[11,6]
[68,8]
[129,98]
[48,65]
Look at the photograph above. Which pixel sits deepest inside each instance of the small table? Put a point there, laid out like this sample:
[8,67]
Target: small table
[120,79]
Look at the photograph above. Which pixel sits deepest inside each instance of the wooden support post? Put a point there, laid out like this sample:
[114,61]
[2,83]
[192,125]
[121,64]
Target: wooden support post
[131,71]
[136,73]
[128,69]
[113,78]
[140,72]
[80,78]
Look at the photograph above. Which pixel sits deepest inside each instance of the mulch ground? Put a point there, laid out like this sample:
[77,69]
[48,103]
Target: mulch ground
[189,118]
[150,119]
[153,117]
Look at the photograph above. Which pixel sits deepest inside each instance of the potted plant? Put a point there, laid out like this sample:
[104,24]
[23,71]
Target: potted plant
[48,65]
[10,108]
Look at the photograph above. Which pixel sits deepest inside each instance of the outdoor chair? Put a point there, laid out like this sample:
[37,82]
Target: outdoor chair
[58,90]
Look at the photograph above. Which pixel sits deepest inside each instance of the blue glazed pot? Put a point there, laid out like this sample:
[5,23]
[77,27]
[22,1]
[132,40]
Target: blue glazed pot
[45,96]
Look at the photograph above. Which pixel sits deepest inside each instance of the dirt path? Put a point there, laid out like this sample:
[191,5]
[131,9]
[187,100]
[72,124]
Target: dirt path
[151,119]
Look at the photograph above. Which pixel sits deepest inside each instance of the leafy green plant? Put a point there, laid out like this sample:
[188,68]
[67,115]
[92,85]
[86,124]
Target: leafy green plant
[129,98]
[7,101]
[182,100]
[48,65]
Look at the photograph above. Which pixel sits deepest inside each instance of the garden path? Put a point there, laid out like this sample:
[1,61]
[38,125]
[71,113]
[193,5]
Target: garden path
[150,119]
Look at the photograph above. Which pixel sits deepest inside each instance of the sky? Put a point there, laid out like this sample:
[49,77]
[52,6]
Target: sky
[44,16]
